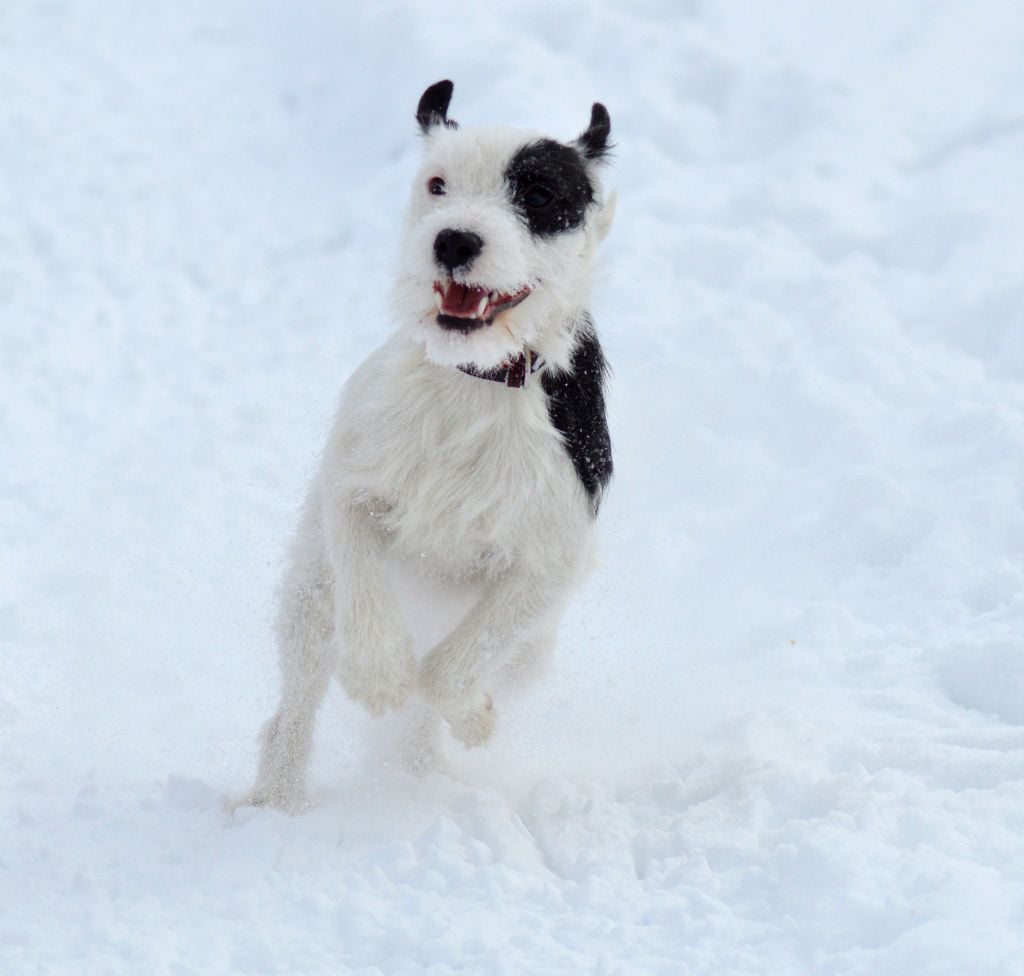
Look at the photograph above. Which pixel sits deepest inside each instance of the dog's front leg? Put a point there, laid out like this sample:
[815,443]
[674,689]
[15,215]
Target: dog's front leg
[377,666]
[453,674]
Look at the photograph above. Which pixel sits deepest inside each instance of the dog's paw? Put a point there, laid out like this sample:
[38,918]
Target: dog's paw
[290,799]
[443,680]
[474,726]
[448,685]
[379,681]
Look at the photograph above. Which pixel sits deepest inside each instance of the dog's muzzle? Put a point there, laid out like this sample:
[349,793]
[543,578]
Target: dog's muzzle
[468,307]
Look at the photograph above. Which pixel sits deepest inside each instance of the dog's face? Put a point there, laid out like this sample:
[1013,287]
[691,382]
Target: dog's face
[499,237]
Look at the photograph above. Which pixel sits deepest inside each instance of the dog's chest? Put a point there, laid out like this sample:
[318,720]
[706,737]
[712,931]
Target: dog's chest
[463,471]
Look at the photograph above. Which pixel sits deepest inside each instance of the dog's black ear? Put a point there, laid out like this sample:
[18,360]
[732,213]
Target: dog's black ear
[433,107]
[594,142]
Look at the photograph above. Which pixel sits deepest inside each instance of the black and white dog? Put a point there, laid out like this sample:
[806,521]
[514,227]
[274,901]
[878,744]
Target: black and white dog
[468,455]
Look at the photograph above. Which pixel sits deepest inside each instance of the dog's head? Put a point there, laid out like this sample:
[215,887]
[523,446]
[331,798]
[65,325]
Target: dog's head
[500,237]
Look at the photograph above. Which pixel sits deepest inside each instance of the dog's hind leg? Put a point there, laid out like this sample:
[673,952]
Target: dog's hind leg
[307,656]
[420,751]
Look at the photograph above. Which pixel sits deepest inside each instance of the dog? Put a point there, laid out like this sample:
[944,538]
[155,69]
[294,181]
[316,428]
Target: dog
[469,453]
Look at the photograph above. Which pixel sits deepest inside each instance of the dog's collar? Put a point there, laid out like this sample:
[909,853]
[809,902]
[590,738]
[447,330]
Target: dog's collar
[513,372]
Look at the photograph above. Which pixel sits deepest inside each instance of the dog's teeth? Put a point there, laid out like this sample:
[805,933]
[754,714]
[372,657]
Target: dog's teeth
[480,308]
[493,298]
[438,300]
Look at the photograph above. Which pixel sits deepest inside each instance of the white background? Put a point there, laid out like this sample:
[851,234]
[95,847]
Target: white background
[784,733]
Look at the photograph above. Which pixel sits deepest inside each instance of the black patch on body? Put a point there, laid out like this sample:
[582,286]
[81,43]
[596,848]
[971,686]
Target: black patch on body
[554,170]
[576,408]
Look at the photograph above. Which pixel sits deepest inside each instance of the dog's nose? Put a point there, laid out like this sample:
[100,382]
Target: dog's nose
[456,248]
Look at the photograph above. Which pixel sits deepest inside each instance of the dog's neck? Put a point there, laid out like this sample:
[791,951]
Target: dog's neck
[514,372]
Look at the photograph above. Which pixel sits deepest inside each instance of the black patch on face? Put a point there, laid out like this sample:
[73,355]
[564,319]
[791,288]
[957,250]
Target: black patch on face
[548,184]
[576,409]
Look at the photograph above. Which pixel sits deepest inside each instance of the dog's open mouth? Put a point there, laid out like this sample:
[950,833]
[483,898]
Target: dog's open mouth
[468,307]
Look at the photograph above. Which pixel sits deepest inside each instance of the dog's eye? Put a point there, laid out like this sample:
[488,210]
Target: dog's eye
[435,185]
[537,197]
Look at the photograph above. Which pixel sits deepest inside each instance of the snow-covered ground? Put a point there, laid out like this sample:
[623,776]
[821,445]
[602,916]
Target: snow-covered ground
[785,729]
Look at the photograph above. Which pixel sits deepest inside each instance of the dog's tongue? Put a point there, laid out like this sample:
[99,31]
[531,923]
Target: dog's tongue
[461,300]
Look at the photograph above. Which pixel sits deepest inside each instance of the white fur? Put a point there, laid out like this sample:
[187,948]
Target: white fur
[451,481]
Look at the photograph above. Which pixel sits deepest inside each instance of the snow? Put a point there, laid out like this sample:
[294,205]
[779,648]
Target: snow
[784,732]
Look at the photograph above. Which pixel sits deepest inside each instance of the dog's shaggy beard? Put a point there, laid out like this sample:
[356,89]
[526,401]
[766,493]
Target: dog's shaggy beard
[414,303]
[544,321]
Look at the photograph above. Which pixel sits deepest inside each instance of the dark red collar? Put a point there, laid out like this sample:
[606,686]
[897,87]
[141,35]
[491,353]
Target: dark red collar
[513,372]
